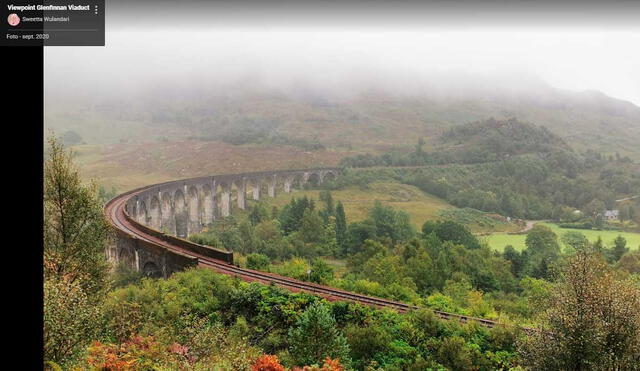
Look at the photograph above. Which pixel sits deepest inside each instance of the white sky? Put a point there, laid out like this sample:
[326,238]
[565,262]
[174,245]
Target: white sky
[578,59]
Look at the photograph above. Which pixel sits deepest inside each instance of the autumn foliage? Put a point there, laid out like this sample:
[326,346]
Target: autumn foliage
[267,362]
[137,353]
[329,365]
[271,363]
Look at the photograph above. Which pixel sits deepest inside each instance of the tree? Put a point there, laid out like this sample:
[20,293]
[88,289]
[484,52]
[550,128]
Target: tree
[620,247]
[75,266]
[315,337]
[329,209]
[359,232]
[630,262]
[341,228]
[455,354]
[384,269]
[542,250]
[592,324]
[390,223]
[420,269]
[404,230]
[624,213]
[70,319]
[575,240]
[516,259]
[419,152]
[71,138]
[321,271]
[451,231]
[329,243]
[311,227]
[75,230]
[594,207]
[249,242]
[542,239]
[598,246]
[384,220]
[292,214]
[258,214]
[328,365]
[367,341]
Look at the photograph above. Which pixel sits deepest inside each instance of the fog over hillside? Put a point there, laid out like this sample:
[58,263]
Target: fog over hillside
[342,63]
[338,80]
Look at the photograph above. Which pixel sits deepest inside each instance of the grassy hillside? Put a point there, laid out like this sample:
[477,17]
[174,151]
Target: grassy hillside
[368,122]
[127,166]
[419,205]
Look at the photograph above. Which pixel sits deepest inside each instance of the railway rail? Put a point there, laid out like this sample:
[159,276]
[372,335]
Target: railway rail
[117,216]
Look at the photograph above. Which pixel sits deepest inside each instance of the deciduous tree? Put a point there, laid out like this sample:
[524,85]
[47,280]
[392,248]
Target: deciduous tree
[592,324]
[75,230]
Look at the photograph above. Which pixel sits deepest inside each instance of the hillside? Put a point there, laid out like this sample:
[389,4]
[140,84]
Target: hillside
[125,166]
[129,141]
[369,121]
[420,206]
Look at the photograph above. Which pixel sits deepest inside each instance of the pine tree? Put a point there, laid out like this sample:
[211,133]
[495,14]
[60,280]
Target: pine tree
[329,209]
[315,337]
[341,228]
[620,247]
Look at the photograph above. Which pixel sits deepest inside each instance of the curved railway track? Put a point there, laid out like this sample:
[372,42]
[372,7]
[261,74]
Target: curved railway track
[117,217]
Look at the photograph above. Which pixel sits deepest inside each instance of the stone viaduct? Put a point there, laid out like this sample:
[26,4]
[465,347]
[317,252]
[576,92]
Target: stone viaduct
[173,210]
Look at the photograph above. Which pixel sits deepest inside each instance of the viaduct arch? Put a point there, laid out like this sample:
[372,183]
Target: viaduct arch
[176,209]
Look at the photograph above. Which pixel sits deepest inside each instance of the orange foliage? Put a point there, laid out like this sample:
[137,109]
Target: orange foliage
[329,365]
[137,353]
[332,365]
[267,363]
[109,357]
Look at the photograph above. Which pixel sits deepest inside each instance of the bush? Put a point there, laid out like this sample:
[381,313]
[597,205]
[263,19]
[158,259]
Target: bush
[258,262]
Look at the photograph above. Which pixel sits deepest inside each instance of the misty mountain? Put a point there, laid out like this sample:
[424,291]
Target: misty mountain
[374,119]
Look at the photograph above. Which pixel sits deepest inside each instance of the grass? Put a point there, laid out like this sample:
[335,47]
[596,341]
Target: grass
[127,166]
[419,205]
[499,240]
[478,221]
[339,266]
[357,202]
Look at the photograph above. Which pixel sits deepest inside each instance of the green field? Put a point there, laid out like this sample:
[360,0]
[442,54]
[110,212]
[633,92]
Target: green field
[499,240]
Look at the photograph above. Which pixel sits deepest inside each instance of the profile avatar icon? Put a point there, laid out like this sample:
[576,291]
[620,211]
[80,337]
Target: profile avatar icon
[13,19]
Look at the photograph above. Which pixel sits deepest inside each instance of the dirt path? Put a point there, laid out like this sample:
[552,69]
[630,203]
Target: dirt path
[529,225]
[628,198]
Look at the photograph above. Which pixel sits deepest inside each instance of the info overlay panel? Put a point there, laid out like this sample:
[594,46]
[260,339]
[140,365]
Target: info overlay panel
[52,23]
